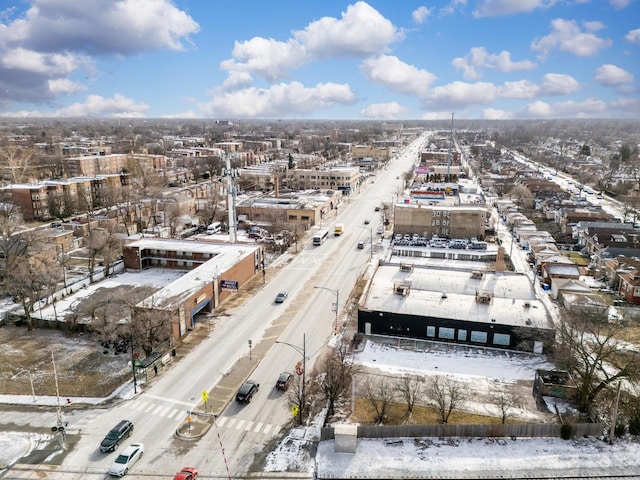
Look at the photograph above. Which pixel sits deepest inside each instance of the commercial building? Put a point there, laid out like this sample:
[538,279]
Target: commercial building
[455,305]
[213,272]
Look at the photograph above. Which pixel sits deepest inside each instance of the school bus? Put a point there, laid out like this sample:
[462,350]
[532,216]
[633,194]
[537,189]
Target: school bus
[338,230]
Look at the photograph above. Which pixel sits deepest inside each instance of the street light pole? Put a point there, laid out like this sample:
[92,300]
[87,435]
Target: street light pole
[337,294]
[303,352]
[33,393]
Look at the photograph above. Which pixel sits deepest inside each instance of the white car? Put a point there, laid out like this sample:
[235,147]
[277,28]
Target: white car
[126,459]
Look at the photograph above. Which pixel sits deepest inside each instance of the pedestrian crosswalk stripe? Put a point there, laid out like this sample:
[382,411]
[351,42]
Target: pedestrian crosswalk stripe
[164,411]
[267,428]
[258,427]
[221,421]
[239,425]
[248,427]
[276,429]
[158,409]
[231,422]
[173,413]
[149,408]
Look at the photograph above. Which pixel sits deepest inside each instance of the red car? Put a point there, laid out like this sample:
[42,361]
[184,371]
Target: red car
[187,473]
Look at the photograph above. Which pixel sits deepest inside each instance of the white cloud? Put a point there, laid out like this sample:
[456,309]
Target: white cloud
[64,85]
[619,4]
[383,111]
[591,107]
[237,80]
[32,71]
[495,114]
[421,14]
[457,94]
[568,37]
[98,106]
[361,31]
[268,58]
[519,89]
[478,58]
[611,75]
[450,9]
[633,36]
[559,84]
[103,26]
[281,100]
[397,75]
[496,8]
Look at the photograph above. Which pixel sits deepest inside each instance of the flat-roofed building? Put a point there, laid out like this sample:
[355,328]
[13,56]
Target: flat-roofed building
[471,307]
[214,271]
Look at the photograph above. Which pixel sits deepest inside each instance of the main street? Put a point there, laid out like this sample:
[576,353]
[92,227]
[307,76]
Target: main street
[315,278]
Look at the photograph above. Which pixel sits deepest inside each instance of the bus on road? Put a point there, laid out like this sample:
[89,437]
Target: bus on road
[338,230]
[320,236]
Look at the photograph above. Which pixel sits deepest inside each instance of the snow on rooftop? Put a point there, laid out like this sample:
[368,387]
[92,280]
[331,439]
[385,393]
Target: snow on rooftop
[452,294]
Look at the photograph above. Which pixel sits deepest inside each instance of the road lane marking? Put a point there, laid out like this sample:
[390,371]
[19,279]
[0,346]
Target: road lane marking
[221,421]
[231,422]
[173,412]
[267,428]
[149,408]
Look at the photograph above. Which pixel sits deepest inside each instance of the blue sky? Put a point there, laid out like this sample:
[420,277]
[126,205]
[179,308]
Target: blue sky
[322,59]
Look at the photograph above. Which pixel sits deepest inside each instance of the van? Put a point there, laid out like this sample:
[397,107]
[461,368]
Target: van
[215,227]
[124,428]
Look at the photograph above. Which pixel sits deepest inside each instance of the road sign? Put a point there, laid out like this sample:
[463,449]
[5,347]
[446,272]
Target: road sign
[205,396]
[294,410]
[299,369]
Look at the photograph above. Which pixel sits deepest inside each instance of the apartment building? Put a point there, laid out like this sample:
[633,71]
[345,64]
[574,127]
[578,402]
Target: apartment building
[92,165]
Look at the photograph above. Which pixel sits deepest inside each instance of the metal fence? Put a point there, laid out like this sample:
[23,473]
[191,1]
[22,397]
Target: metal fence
[528,430]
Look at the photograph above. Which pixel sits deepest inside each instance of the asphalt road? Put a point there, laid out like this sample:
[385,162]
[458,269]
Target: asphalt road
[316,278]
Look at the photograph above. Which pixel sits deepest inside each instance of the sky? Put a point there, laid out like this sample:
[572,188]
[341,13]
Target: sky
[290,59]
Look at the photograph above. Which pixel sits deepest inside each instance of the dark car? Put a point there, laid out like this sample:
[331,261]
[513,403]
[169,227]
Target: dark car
[117,433]
[360,245]
[366,221]
[283,381]
[246,391]
[281,297]
[187,473]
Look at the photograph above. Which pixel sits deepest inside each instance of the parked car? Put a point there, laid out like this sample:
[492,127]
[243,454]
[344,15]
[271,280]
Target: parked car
[110,442]
[281,297]
[187,473]
[283,381]
[380,230]
[377,209]
[246,391]
[126,459]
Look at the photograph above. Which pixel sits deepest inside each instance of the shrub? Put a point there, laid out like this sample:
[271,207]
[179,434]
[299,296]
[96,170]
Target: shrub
[634,425]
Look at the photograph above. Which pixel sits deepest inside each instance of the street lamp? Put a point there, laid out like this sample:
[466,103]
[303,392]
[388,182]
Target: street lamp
[303,352]
[370,239]
[337,294]
[33,393]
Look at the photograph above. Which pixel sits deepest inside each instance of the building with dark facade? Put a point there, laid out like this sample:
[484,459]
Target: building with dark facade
[463,306]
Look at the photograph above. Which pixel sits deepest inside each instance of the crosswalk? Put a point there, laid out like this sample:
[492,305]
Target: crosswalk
[223,422]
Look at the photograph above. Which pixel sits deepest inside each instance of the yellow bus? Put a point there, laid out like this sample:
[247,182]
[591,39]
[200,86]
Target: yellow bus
[338,230]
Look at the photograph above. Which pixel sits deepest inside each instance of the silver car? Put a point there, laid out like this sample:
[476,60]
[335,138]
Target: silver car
[126,459]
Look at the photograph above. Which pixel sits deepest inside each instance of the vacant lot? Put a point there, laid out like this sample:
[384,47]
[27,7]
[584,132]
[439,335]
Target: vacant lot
[82,367]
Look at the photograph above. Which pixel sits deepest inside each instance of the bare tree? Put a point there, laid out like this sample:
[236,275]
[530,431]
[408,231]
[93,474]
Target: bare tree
[18,162]
[411,387]
[447,395]
[507,401]
[338,369]
[150,327]
[379,392]
[590,347]
[30,279]
[14,243]
[521,196]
